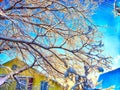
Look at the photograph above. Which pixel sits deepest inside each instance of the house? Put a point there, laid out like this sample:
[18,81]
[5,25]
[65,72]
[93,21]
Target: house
[29,79]
[111,78]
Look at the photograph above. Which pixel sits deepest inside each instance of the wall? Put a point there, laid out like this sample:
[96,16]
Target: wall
[37,77]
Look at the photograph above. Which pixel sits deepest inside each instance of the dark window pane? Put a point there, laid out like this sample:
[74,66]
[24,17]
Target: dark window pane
[14,67]
[30,83]
[44,85]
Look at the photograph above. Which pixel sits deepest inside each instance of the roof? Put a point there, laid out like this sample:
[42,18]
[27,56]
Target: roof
[111,78]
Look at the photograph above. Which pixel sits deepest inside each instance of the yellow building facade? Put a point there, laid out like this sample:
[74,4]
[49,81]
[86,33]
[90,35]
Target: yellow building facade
[29,79]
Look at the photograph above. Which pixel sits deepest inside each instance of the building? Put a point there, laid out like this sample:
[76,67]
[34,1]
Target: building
[29,79]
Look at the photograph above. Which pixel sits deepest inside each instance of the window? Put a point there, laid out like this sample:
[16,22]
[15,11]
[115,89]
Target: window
[44,85]
[14,67]
[25,83]
[22,83]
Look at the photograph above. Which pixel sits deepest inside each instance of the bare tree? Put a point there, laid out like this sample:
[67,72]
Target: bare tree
[58,34]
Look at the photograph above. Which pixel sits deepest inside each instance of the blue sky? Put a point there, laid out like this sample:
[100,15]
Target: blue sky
[104,16]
